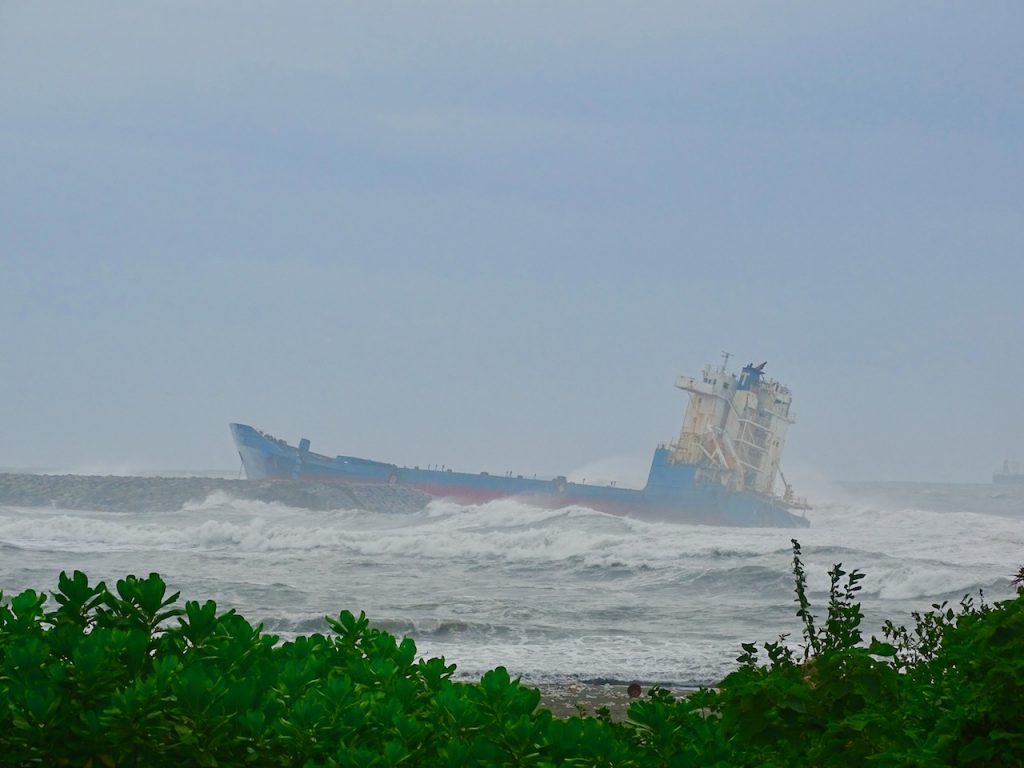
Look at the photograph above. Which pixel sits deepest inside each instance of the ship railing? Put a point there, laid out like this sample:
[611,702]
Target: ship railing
[759,447]
[789,502]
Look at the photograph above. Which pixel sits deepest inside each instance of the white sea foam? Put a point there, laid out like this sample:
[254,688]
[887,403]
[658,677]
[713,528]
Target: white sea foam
[671,661]
[514,532]
[549,593]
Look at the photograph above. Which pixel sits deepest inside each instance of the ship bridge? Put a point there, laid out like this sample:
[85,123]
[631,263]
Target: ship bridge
[735,426]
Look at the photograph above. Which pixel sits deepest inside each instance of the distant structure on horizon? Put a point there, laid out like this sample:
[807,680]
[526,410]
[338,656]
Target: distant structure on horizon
[1011,473]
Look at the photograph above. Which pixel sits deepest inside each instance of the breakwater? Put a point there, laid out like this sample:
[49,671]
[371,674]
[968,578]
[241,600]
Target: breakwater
[112,493]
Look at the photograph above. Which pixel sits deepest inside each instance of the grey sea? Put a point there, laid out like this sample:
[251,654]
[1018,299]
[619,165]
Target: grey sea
[558,597]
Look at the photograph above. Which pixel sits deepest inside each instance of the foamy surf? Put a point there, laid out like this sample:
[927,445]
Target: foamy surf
[552,594]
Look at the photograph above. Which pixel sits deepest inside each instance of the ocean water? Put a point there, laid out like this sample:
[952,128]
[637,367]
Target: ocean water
[555,596]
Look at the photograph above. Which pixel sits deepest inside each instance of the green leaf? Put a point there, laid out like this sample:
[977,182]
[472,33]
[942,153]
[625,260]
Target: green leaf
[878,648]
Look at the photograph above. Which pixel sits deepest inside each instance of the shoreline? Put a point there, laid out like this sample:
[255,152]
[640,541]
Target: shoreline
[569,698]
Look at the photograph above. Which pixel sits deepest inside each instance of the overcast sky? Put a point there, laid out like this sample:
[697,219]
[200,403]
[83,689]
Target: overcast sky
[490,235]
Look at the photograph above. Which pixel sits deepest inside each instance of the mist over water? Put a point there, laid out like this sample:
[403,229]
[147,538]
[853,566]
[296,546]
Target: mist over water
[552,595]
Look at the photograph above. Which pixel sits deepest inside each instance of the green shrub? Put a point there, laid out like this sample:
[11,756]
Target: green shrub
[129,677]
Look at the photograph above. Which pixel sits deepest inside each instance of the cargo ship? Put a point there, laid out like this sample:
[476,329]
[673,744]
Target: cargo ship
[722,469]
[1011,473]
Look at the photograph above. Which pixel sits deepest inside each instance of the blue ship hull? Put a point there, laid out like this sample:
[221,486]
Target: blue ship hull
[672,492]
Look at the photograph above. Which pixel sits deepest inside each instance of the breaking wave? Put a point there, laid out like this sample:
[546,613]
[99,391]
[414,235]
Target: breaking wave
[552,594]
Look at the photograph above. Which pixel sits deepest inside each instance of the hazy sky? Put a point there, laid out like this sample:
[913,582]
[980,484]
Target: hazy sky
[490,235]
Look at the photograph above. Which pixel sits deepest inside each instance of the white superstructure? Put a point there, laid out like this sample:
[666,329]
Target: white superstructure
[735,427]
